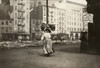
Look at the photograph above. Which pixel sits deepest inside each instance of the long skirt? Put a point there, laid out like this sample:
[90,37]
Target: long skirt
[47,48]
[83,46]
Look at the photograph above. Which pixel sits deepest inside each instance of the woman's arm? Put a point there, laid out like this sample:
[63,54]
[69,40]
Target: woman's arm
[42,38]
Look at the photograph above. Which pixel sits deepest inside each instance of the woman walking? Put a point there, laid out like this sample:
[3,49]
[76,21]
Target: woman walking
[46,38]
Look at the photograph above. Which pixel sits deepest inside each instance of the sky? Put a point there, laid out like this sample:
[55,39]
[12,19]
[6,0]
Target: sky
[79,1]
[63,4]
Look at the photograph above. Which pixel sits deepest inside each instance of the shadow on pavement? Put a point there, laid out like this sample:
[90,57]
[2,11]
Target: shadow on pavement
[71,48]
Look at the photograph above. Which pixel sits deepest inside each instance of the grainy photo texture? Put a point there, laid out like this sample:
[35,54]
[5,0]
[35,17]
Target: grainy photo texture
[49,34]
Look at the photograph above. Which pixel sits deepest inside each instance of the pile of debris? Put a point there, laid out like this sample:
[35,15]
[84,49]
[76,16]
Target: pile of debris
[16,44]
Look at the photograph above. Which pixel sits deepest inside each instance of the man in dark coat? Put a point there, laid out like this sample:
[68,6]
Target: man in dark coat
[84,41]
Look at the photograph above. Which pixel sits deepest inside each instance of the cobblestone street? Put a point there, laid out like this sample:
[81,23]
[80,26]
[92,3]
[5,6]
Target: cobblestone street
[66,56]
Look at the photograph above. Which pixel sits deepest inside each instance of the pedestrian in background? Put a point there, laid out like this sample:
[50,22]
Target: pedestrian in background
[47,42]
[84,41]
[19,38]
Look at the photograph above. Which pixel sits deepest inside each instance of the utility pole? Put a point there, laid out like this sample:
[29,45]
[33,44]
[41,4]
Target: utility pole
[47,17]
[47,12]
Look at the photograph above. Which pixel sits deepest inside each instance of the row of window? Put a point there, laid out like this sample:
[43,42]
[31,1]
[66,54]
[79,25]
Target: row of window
[74,18]
[54,9]
[74,13]
[68,18]
[74,24]
[6,29]
[69,29]
[37,21]
[6,23]
[74,29]
[61,31]
[74,6]
[55,15]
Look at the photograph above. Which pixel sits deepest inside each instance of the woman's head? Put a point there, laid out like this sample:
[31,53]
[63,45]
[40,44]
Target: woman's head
[47,30]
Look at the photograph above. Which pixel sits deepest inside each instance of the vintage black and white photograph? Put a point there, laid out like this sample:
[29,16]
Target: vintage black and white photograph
[49,34]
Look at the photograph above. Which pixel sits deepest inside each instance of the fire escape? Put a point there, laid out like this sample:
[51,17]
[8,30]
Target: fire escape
[21,17]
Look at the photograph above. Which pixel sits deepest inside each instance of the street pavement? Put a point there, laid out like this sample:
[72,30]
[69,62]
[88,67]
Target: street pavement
[65,56]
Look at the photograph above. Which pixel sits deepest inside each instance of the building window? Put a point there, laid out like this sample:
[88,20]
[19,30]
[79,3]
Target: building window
[10,28]
[74,29]
[2,23]
[2,28]
[6,29]
[44,8]
[15,22]
[27,16]
[39,3]
[44,14]
[10,21]
[68,28]
[74,23]
[80,24]
[15,14]
[78,29]
[15,7]
[33,22]
[6,22]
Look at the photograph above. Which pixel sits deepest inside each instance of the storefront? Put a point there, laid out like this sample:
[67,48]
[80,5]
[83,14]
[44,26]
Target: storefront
[14,37]
[75,35]
[9,37]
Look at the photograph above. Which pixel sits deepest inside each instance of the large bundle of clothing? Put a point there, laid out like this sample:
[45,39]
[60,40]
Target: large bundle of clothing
[44,26]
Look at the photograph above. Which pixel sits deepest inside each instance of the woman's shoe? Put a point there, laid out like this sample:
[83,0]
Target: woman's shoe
[47,55]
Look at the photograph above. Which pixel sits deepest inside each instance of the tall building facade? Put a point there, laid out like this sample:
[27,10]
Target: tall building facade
[19,21]
[74,22]
[65,15]
[56,17]
[74,14]
[6,29]
[21,16]
[6,24]
[87,18]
